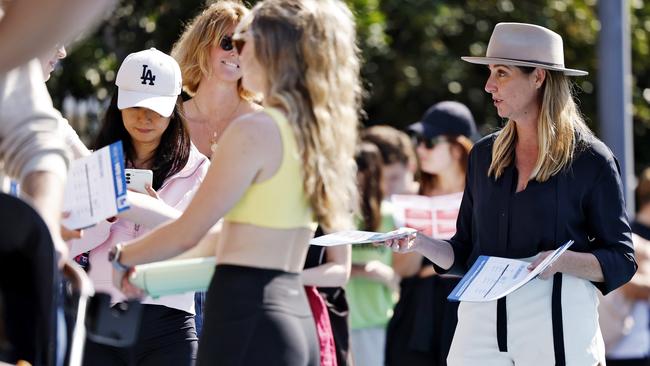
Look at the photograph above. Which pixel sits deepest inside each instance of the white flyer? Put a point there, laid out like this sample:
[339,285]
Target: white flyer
[96,188]
[433,216]
[492,278]
[358,237]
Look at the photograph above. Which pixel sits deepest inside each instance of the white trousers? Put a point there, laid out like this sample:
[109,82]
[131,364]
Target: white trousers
[530,329]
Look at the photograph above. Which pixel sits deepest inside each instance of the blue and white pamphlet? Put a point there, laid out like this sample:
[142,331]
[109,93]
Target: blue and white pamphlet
[96,187]
[359,237]
[492,278]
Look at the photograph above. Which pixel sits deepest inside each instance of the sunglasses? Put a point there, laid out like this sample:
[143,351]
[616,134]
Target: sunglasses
[239,42]
[226,43]
[428,143]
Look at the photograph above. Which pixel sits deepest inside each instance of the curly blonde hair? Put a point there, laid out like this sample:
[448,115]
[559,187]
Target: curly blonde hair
[560,129]
[312,66]
[205,31]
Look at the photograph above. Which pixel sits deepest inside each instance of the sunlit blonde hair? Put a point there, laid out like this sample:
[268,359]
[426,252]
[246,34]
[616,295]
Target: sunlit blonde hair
[205,31]
[309,51]
[560,128]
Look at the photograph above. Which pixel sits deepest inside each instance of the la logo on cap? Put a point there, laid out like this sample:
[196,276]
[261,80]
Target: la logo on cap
[149,79]
[147,75]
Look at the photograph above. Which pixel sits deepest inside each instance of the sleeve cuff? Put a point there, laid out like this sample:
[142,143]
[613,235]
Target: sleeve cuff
[615,273]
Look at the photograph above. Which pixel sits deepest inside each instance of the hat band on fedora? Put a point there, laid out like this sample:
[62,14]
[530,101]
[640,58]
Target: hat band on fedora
[529,61]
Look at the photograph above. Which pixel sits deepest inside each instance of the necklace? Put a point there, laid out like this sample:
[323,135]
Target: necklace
[215,132]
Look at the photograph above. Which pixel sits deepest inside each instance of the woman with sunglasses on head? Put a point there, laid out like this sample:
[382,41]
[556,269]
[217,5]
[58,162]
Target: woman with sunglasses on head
[542,180]
[442,142]
[275,173]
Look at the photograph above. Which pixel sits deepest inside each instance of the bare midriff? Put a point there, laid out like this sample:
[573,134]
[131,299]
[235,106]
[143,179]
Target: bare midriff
[261,247]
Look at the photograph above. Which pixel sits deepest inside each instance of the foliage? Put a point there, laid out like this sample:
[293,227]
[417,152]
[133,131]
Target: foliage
[411,51]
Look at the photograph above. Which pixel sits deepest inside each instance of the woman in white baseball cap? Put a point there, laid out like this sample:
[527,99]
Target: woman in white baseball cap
[146,115]
[542,180]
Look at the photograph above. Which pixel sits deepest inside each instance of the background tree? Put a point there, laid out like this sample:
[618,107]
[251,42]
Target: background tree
[411,51]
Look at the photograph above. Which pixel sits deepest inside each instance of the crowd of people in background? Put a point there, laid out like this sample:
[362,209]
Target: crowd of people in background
[251,129]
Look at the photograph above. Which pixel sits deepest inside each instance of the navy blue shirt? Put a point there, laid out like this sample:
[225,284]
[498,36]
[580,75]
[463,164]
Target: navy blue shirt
[584,202]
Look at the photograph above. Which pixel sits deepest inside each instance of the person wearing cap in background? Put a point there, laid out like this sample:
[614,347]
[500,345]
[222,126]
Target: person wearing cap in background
[146,115]
[423,323]
[542,180]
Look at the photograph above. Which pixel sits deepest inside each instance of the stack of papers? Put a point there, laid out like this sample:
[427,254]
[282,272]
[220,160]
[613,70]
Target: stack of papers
[359,237]
[96,188]
[492,278]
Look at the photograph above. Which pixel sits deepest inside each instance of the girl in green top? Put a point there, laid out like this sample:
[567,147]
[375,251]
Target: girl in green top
[373,281]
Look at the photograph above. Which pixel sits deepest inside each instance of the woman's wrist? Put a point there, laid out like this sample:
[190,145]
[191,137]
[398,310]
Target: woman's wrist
[437,251]
[578,264]
[115,257]
[419,242]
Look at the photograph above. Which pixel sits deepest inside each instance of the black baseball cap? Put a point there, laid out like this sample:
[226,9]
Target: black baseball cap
[446,118]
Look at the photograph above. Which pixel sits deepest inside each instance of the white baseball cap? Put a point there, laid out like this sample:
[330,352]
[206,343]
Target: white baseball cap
[149,79]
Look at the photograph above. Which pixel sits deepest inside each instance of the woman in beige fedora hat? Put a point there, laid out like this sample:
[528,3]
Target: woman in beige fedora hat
[542,180]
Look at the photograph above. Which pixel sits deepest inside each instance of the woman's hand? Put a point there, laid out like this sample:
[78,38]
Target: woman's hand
[121,281]
[581,265]
[404,244]
[68,234]
[554,268]
[382,273]
[152,192]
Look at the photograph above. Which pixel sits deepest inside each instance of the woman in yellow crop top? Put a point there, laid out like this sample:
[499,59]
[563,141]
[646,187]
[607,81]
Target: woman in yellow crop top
[275,173]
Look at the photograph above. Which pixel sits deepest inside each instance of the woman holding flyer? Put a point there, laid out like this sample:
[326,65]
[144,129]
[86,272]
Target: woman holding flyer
[442,142]
[275,174]
[147,117]
[543,180]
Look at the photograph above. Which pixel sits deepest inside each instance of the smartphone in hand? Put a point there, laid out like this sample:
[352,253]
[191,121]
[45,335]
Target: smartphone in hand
[137,179]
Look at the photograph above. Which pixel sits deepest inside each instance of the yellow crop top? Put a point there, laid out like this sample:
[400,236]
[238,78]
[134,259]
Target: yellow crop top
[278,202]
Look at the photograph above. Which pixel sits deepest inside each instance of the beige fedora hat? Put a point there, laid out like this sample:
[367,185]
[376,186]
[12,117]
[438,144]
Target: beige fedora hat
[522,44]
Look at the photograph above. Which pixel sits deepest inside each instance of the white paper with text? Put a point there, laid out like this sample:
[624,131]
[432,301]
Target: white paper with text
[492,278]
[358,237]
[95,188]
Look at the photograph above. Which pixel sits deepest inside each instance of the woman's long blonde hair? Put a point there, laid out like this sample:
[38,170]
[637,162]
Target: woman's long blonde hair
[309,51]
[205,31]
[560,128]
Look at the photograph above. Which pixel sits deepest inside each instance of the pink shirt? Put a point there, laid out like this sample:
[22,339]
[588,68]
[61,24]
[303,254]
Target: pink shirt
[177,191]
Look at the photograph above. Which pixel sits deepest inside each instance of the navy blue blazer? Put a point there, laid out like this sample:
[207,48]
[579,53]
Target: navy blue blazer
[584,202]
